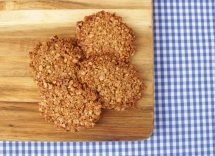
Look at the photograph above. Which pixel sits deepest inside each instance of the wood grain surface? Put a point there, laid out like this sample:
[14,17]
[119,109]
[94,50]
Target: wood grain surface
[74,4]
[24,23]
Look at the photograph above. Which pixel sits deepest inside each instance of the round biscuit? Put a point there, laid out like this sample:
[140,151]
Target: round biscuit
[53,60]
[105,33]
[118,84]
[71,106]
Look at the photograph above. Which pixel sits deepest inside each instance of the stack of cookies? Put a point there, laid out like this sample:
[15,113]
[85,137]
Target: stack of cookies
[78,77]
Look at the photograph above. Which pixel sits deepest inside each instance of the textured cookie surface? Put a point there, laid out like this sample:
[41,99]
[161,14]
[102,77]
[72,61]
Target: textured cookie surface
[118,84]
[103,33]
[70,105]
[53,60]
[65,102]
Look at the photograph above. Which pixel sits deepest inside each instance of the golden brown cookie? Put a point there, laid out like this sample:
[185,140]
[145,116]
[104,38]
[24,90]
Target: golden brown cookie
[70,105]
[117,83]
[54,59]
[65,102]
[105,33]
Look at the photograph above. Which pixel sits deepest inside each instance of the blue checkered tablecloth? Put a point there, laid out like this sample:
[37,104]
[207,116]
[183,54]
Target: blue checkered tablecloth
[184,47]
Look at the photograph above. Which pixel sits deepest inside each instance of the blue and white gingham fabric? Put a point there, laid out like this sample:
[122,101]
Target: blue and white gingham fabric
[184,47]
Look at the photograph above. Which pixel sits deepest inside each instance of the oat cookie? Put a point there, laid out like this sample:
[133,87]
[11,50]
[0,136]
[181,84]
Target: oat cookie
[70,105]
[65,102]
[118,84]
[54,59]
[103,33]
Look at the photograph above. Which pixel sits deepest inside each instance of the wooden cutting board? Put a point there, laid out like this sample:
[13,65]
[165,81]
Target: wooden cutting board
[24,23]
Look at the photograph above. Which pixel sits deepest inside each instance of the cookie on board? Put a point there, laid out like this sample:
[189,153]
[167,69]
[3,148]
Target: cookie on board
[118,84]
[53,60]
[71,106]
[105,33]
